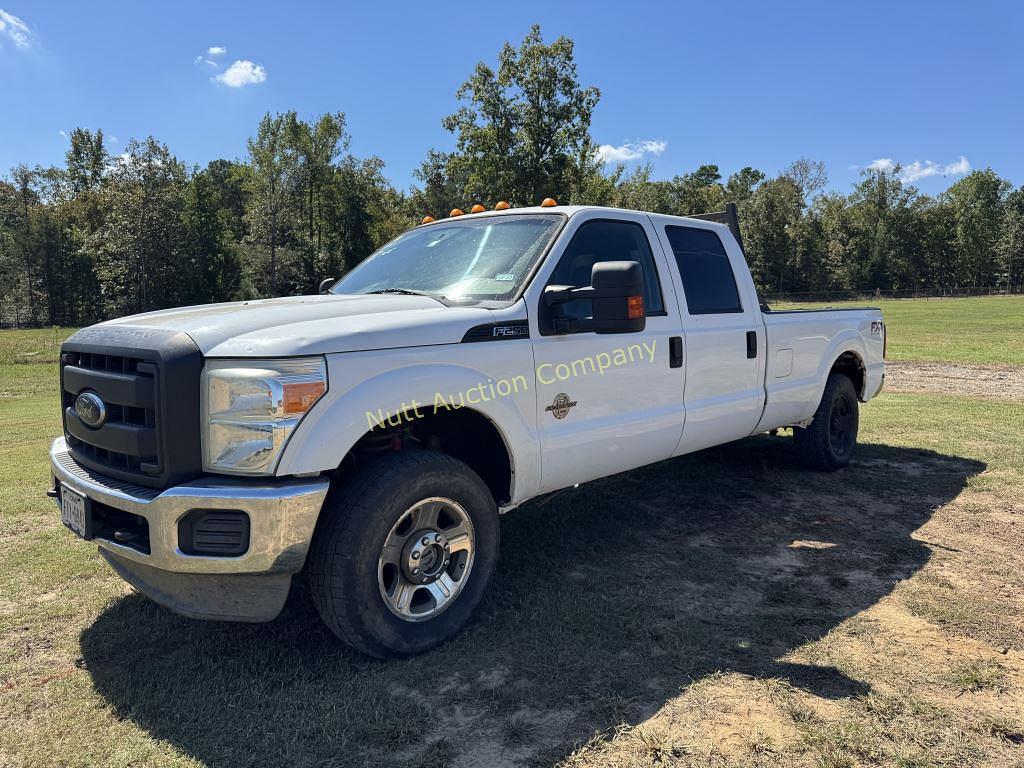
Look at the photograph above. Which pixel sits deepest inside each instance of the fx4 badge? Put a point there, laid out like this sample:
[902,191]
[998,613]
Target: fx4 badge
[560,408]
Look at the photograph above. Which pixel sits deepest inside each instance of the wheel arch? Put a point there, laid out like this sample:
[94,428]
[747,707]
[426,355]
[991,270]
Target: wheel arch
[851,364]
[495,436]
[465,434]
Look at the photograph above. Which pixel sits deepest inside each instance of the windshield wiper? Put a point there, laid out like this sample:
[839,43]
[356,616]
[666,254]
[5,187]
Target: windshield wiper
[410,292]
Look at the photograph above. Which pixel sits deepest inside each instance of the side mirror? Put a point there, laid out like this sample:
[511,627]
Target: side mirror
[616,291]
[326,284]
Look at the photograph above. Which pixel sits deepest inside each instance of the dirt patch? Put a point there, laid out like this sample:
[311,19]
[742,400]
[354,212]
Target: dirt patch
[1005,382]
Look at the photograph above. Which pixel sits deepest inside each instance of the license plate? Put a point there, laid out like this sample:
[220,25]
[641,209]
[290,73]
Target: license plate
[74,512]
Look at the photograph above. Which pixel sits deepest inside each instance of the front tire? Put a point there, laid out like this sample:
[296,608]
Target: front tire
[827,443]
[403,553]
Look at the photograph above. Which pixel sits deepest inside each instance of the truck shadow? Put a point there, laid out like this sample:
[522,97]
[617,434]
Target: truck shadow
[608,601]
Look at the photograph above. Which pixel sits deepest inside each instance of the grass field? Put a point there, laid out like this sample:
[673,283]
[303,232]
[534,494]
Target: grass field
[987,330]
[722,609]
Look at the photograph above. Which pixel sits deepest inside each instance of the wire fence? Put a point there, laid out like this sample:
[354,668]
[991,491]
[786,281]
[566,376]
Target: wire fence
[799,297]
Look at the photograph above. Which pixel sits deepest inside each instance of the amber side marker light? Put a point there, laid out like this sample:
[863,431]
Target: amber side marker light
[548,202]
[427,219]
[501,206]
[635,307]
[457,212]
[477,209]
[299,397]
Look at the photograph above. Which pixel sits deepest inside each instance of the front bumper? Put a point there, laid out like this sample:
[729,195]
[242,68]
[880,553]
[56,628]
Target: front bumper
[249,587]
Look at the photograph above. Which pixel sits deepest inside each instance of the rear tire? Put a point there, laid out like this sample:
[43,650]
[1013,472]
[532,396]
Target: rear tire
[410,511]
[827,443]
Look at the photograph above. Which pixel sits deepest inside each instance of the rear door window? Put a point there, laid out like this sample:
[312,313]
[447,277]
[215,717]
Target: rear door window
[708,279]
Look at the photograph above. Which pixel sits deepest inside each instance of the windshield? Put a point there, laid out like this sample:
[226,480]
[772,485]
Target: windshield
[476,259]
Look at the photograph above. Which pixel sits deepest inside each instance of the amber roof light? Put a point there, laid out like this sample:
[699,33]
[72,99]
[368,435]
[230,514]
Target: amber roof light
[501,206]
[548,202]
[427,219]
[477,209]
[457,212]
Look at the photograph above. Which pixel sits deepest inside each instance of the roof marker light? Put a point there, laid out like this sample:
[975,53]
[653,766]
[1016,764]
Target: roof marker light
[501,206]
[548,202]
[427,219]
[457,212]
[477,209]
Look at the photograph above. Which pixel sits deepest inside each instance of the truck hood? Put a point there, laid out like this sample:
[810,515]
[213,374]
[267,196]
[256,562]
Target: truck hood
[314,325]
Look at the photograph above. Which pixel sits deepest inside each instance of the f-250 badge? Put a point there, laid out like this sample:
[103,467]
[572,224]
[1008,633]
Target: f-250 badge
[560,408]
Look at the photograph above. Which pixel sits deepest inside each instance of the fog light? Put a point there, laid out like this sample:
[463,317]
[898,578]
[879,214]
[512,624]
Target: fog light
[214,532]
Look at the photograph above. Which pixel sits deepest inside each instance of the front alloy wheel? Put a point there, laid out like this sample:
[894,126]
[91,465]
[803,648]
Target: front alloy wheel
[426,559]
[403,553]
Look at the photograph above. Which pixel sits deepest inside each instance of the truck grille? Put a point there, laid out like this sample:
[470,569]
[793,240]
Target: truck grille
[148,382]
[127,440]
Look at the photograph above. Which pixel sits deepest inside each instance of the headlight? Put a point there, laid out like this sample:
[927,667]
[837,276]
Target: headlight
[251,407]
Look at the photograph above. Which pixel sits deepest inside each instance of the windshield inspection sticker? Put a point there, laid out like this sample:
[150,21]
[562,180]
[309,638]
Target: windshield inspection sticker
[505,277]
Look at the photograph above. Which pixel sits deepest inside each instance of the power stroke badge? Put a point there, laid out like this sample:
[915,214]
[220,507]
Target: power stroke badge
[560,408]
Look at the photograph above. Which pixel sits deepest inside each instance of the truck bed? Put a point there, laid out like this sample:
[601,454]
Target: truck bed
[803,344]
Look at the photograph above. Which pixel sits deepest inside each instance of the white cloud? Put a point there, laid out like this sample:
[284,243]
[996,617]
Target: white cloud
[241,73]
[882,164]
[607,153]
[216,50]
[15,29]
[203,60]
[917,170]
[62,134]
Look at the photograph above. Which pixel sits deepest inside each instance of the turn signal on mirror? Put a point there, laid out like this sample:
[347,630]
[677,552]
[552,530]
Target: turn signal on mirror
[635,307]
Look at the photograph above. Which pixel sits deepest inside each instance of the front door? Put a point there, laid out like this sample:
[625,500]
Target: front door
[606,402]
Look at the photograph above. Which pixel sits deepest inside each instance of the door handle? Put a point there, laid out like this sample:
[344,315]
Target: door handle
[675,352]
[751,344]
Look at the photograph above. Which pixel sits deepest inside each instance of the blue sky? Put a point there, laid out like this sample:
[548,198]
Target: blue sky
[933,83]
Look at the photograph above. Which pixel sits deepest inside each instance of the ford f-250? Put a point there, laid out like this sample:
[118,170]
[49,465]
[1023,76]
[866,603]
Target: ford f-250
[369,437]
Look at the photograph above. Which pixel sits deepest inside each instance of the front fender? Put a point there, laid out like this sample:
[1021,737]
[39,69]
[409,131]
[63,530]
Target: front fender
[366,387]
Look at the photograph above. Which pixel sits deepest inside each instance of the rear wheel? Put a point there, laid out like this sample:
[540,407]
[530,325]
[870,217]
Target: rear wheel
[828,441]
[404,553]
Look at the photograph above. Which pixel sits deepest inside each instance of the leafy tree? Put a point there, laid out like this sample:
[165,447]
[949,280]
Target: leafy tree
[523,130]
[741,185]
[977,202]
[87,160]
[1011,242]
[140,261]
[273,164]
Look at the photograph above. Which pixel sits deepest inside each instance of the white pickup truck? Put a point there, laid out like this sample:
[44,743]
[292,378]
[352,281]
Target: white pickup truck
[369,437]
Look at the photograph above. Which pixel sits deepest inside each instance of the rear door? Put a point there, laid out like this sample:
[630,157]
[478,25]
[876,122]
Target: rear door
[725,337]
[606,402]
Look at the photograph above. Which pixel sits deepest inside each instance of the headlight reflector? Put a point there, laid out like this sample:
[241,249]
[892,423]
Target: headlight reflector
[251,407]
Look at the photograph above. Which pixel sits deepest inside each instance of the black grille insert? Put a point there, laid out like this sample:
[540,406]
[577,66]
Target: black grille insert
[127,440]
[148,380]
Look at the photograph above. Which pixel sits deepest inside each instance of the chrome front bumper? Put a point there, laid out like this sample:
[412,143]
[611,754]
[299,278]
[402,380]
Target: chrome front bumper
[250,587]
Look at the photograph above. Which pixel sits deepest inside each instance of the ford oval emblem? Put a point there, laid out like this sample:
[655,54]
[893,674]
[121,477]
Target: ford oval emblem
[91,409]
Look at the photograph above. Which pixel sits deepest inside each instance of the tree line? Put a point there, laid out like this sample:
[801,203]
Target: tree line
[106,234]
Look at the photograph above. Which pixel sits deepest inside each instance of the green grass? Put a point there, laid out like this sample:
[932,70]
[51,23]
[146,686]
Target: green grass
[626,624]
[988,329]
[36,345]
